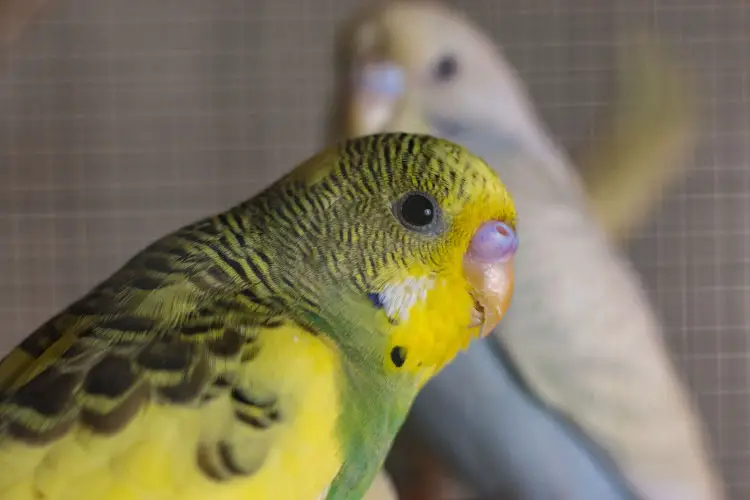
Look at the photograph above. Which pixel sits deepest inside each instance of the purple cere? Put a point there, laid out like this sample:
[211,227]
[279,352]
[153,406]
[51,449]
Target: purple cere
[383,78]
[493,242]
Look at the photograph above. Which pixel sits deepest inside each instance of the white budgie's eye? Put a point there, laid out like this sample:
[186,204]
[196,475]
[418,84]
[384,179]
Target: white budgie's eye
[446,68]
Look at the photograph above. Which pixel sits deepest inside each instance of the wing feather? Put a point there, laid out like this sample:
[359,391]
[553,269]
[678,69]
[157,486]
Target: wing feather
[166,331]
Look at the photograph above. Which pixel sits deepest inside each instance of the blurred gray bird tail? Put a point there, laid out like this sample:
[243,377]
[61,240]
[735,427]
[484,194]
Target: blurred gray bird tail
[645,146]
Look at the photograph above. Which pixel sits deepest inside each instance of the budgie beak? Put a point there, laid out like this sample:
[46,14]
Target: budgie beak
[376,89]
[488,266]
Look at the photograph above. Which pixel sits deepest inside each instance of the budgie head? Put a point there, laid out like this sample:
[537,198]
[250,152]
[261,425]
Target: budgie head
[411,233]
[419,66]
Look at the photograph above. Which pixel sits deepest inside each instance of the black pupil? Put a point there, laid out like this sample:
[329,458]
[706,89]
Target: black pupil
[446,68]
[417,210]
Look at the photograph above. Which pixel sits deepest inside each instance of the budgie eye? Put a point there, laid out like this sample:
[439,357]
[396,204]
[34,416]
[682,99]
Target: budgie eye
[446,68]
[418,212]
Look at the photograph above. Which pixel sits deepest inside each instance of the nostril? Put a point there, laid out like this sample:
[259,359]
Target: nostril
[494,241]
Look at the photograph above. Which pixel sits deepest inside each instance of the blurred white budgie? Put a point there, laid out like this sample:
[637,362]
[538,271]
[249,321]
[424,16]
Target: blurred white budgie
[575,396]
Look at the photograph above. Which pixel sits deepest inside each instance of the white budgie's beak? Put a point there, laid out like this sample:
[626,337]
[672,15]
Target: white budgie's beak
[377,88]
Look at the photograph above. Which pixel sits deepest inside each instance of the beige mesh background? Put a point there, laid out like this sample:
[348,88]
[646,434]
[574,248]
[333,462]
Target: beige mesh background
[122,119]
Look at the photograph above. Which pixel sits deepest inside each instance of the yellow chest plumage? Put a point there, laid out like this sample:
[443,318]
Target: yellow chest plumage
[154,457]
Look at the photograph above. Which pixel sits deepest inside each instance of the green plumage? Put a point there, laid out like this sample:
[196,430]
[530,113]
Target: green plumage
[176,324]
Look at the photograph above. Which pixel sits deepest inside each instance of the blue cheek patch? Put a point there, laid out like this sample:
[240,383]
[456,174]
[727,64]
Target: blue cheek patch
[376,299]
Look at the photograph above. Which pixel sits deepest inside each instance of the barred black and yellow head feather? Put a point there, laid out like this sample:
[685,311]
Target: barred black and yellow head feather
[340,223]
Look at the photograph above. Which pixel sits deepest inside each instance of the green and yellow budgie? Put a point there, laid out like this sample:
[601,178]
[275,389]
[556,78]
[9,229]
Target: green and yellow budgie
[271,351]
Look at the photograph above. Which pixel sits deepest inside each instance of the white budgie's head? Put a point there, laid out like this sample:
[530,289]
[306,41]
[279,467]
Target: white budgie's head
[420,66]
